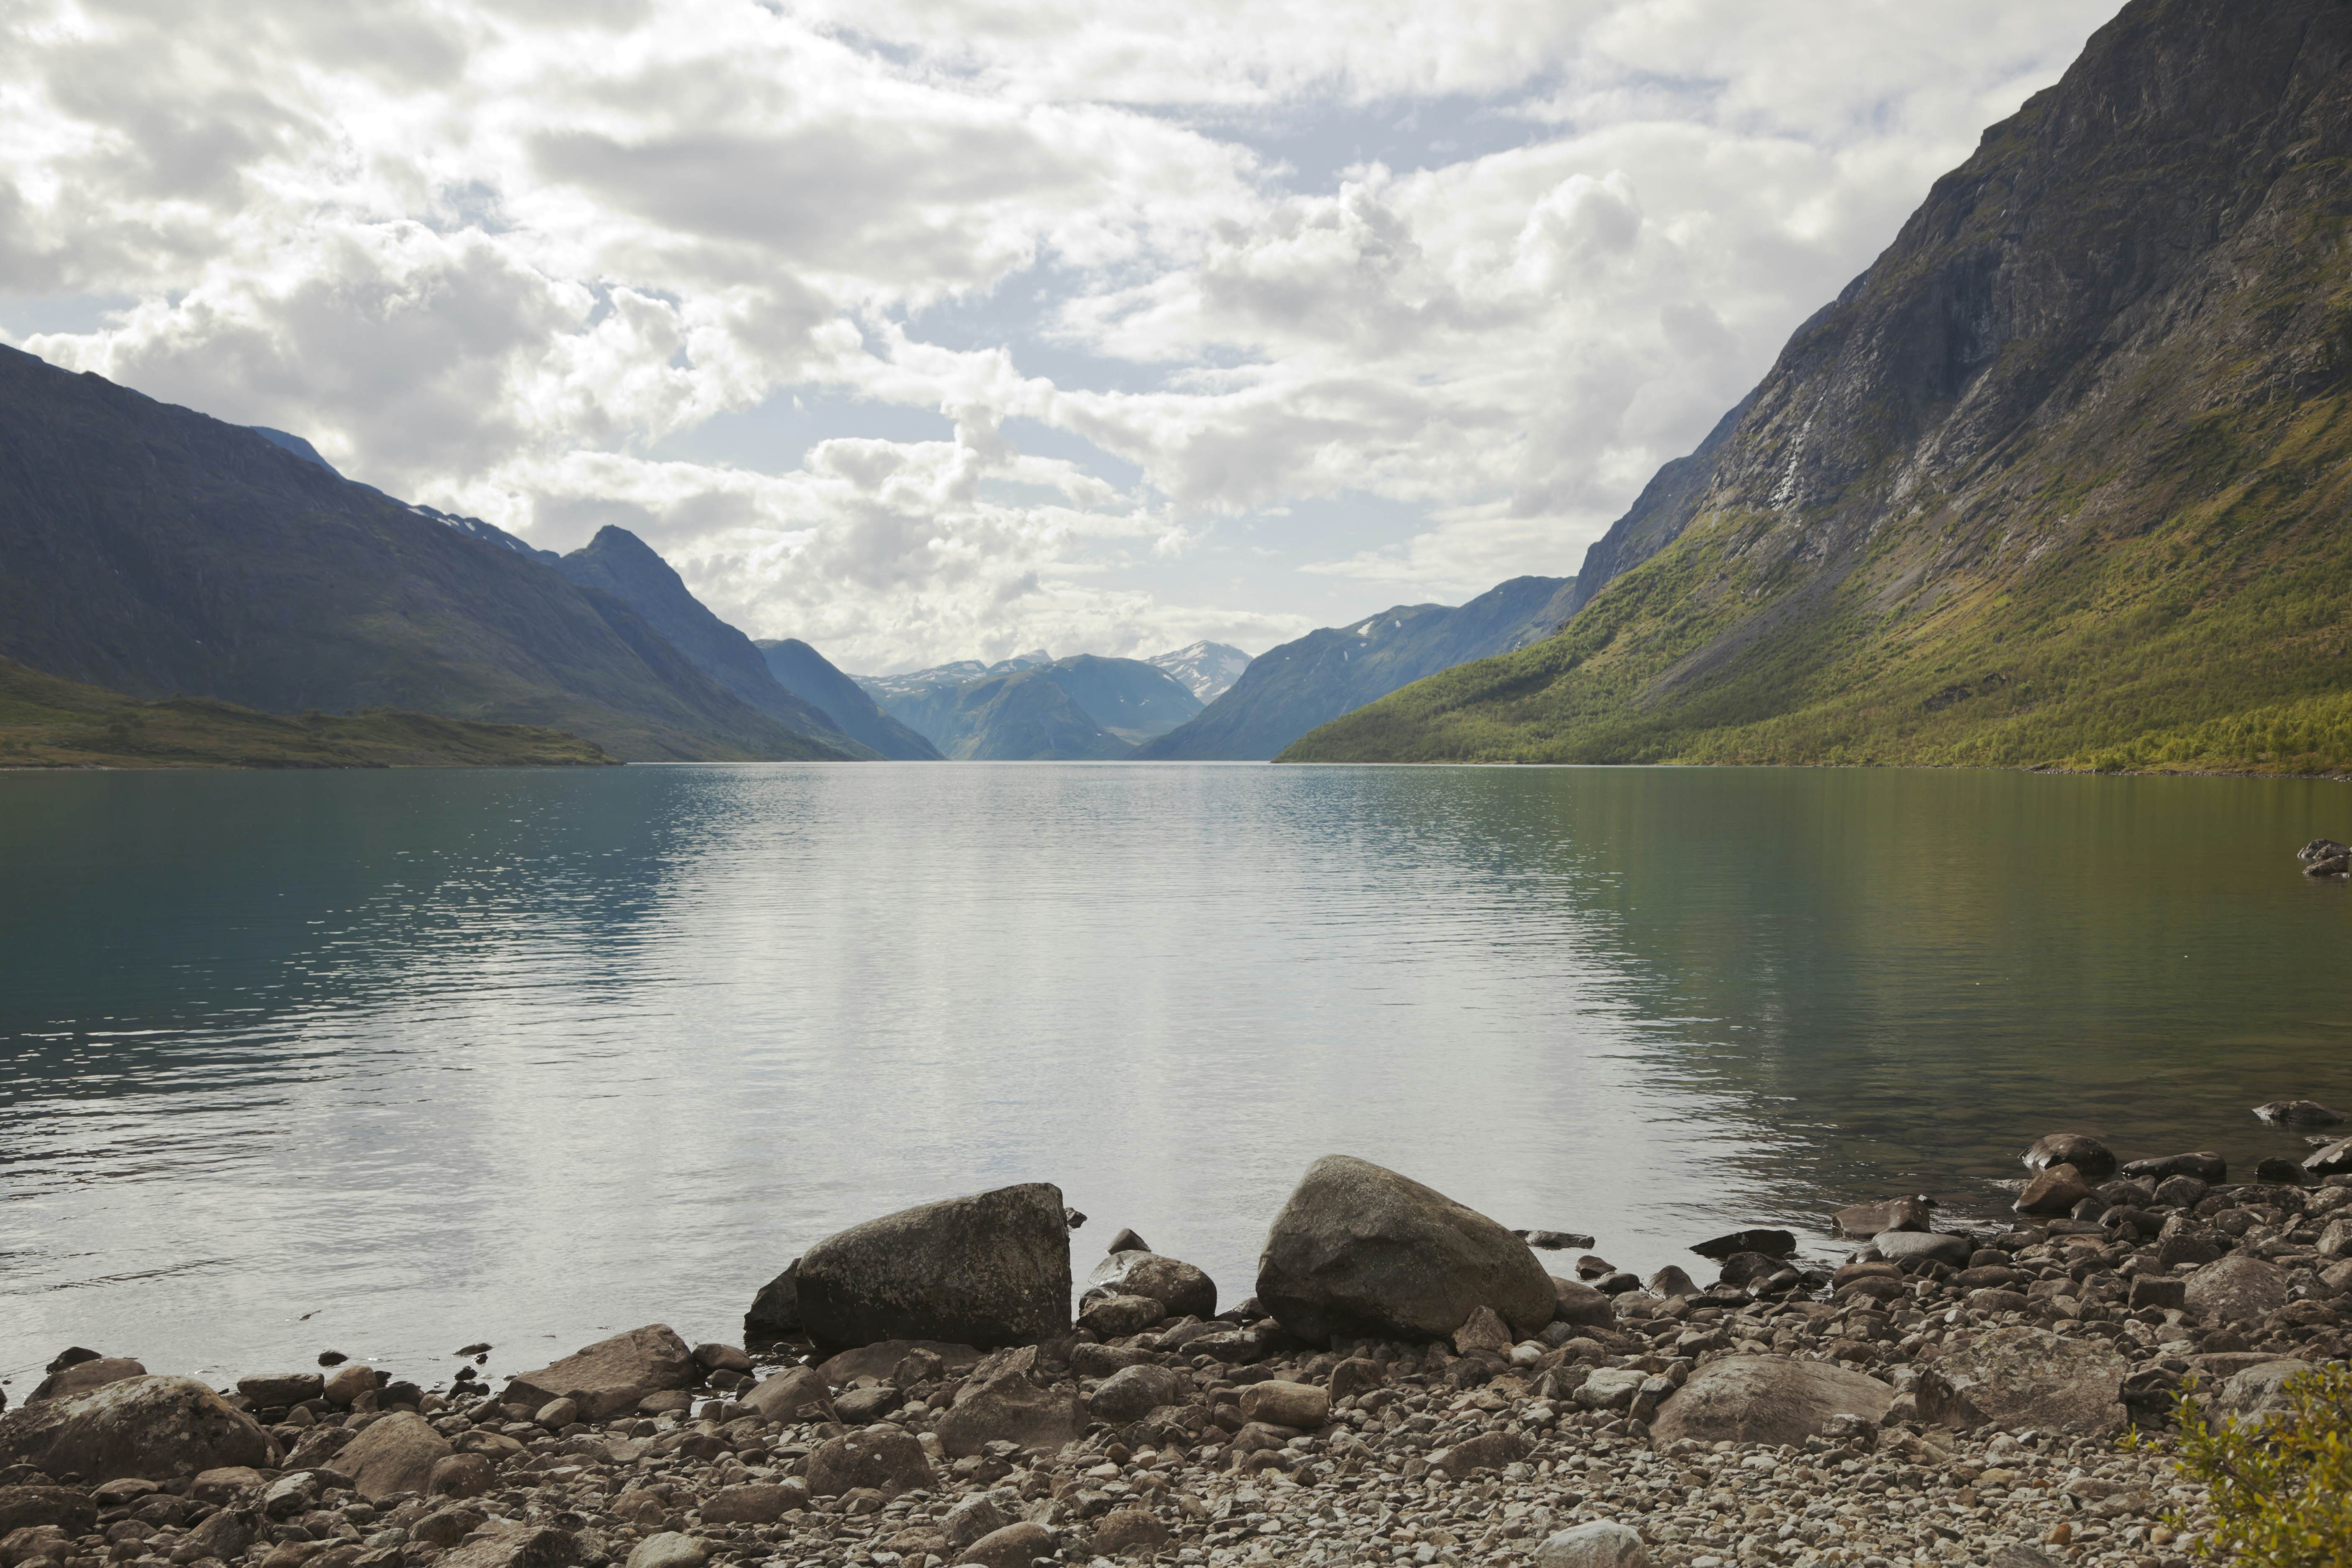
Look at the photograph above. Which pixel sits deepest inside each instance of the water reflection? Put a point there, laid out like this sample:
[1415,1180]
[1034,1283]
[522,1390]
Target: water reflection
[391,1062]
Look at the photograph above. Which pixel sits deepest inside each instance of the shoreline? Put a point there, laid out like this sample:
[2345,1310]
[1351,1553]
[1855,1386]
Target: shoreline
[1946,1395]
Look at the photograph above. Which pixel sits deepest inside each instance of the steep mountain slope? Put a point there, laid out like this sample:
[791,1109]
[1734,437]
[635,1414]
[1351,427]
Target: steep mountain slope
[626,567]
[1132,700]
[1288,691]
[150,550]
[810,676]
[923,685]
[1206,668]
[1023,715]
[45,722]
[2063,478]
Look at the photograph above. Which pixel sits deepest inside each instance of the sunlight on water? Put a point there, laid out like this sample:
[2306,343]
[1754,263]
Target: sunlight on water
[393,1061]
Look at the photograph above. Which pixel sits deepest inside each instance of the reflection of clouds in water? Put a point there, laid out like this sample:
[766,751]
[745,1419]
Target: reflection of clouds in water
[502,1055]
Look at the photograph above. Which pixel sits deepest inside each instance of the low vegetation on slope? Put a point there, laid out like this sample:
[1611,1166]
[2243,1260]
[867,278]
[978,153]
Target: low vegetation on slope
[45,722]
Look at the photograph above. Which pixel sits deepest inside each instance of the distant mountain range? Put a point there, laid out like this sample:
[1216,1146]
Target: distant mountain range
[1288,691]
[1206,668]
[2061,480]
[151,551]
[1037,708]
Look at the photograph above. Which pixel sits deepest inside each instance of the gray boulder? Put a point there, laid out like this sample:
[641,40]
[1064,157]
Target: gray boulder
[1116,1316]
[396,1454]
[1924,1245]
[887,1459]
[1600,1543]
[609,1377]
[1361,1252]
[157,1428]
[1768,1399]
[990,1269]
[1183,1290]
[2257,1391]
[2023,1377]
[1132,1394]
[796,1393]
[1017,1545]
[2238,1289]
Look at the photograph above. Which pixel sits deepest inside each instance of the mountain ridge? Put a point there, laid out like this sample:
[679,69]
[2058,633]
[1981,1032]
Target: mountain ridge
[2060,481]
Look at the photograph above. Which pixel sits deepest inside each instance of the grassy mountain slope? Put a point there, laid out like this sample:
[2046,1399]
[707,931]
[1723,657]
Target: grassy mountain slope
[150,550]
[2065,478]
[45,722]
[626,567]
[1291,689]
[813,678]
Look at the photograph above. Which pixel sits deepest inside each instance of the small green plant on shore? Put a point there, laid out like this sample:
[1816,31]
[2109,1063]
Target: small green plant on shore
[2281,1484]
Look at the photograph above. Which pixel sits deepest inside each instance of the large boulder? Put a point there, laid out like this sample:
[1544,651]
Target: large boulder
[1132,1393]
[158,1428]
[2238,1289]
[990,1269]
[1177,1286]
[2016,1378]
[1360,1252]
[1768,1399]
[775,1312]
[2257,1391]
[84,1377]
[394,1454]
[609,1377]
[1001,1402]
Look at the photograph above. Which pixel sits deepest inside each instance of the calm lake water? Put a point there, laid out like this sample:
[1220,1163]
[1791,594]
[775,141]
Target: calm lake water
[388,1062]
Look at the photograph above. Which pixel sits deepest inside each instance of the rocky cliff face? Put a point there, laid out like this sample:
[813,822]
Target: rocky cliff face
[2060,478]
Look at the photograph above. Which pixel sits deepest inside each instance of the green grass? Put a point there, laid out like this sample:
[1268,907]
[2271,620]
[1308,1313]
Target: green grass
[47,722]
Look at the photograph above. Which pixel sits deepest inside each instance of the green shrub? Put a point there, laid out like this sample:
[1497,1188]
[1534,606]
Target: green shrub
[2281,1484]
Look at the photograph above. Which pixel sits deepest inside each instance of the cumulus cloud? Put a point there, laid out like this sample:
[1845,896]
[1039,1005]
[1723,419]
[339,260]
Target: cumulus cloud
[512,257]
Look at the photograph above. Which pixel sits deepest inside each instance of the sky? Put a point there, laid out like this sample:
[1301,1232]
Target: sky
[926,329]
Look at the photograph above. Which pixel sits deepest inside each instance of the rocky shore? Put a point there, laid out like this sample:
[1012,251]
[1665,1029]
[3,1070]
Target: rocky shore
[1411,1383]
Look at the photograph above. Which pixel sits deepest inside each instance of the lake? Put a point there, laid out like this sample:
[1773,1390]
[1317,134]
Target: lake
[390,1062]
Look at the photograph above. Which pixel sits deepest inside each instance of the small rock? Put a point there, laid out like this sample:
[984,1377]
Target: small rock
[1553,1240]
[557,1414]
[721,1358]
[1128,1241]
[2298,1113]
[1129,1531]
[1116,1316]
[1132,1394]
[610,1376]
[274,1390]
[82,1376]
[747,1503]
[396,1454]
[1602,1543]
[1299,1406]
[1004,1406]
[2056,1190]
[1484,1331]
[1573,1301]
[979,1515]
[668,1550]
[1922,1246]
[1671,1281]
[460,1476]
[2332,1160]
[1771,1399]
[1863,1221]
[1015,1546]
[2093,1160]
[23,1508]
[1184,1290]
[1771,1243]
[348,1383]
[2205,1165]
[2238,1289]
[886,1459]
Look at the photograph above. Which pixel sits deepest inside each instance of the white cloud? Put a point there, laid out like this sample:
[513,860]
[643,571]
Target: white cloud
[497,256]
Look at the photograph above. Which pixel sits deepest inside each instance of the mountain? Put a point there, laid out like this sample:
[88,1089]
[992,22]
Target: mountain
[2061,480]
[1132,700]
[810,676]
[625,566]
[294,444]
[151,551]
[1288,691]
[1206,668]
[924,683]
[45,722]
[1020,715]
